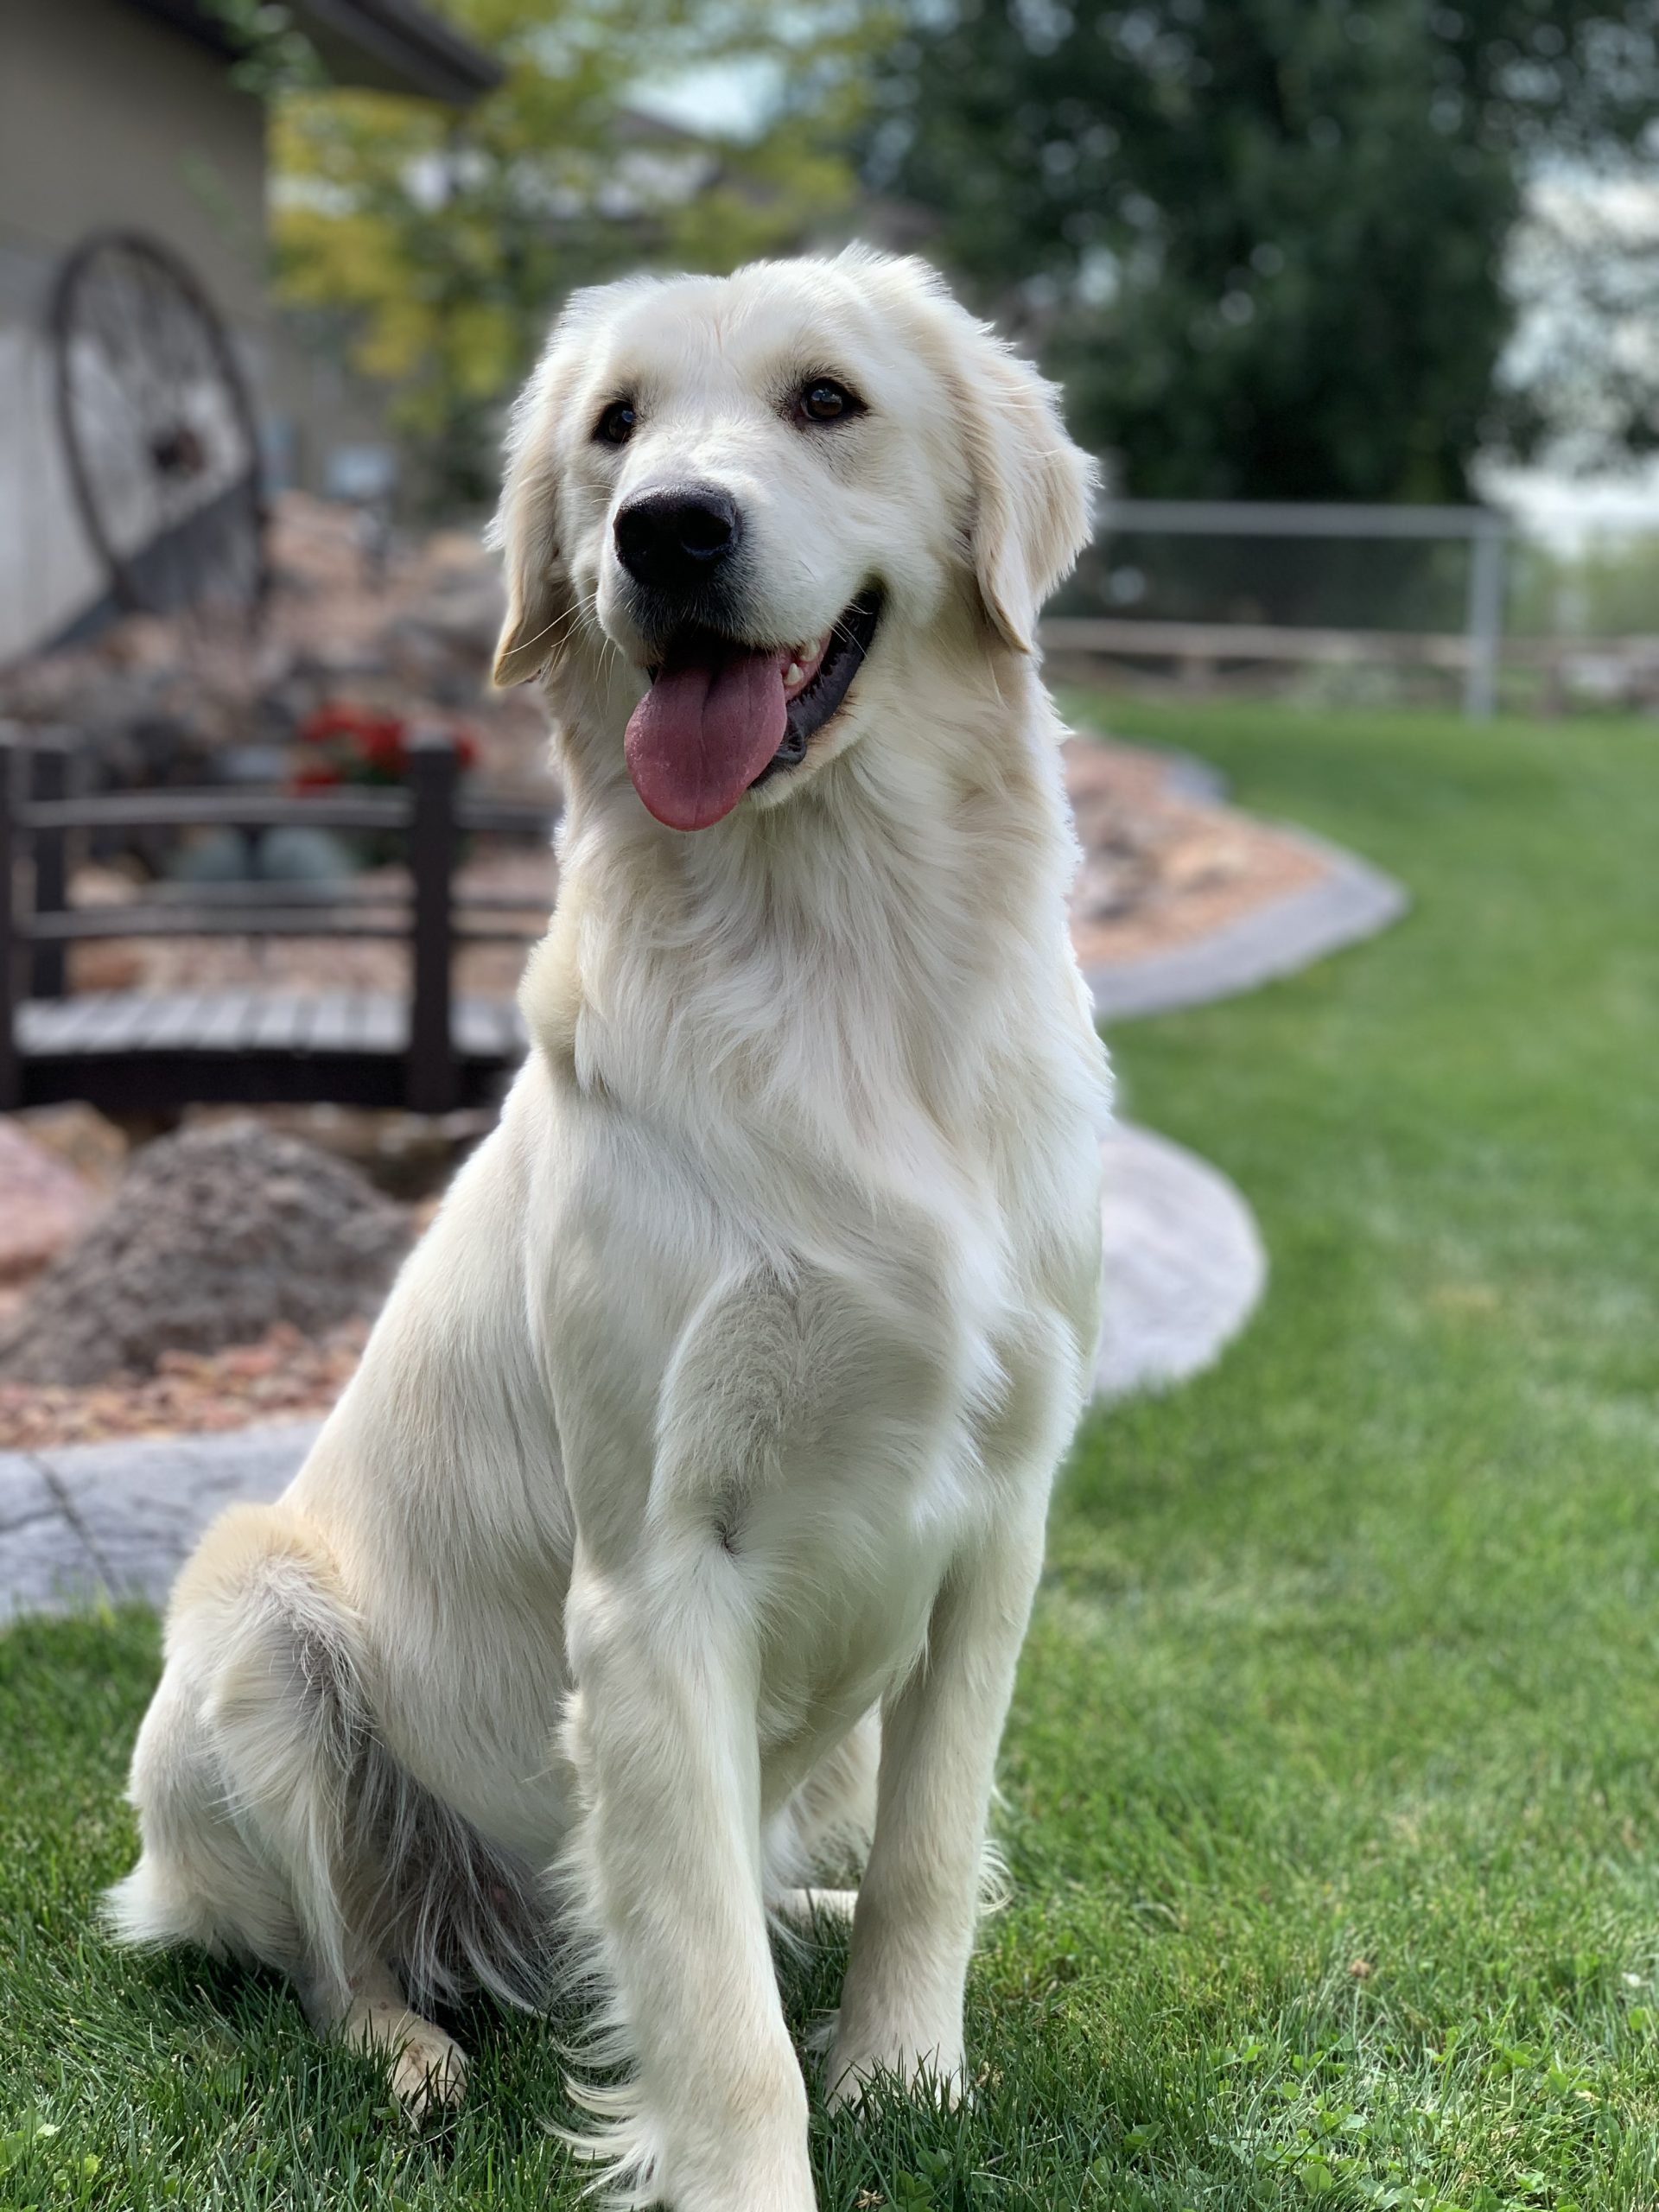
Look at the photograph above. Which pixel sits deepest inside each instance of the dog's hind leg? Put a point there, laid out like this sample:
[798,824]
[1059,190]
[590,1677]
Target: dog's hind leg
[428,2068]
[824,1830]
[249,1779]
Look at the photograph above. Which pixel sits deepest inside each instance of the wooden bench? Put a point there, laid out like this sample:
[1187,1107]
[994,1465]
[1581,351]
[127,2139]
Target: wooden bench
[142,1052]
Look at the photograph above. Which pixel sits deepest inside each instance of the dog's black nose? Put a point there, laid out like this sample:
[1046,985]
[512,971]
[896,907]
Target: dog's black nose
[673,541]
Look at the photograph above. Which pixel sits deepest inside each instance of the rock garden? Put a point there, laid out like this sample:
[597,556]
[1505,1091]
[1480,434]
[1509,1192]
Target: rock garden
[224,1272]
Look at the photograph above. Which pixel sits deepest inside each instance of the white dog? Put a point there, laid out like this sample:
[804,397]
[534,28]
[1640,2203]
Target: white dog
[681,1526]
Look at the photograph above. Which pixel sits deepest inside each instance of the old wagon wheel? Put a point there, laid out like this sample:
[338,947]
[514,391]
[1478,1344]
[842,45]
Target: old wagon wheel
[158,431]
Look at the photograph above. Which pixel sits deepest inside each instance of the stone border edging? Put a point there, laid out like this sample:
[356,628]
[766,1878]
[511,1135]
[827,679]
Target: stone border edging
[1351,902]
[1186,774]
[79,1521]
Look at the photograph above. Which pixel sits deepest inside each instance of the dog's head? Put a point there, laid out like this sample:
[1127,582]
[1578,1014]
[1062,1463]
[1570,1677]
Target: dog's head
[747,487]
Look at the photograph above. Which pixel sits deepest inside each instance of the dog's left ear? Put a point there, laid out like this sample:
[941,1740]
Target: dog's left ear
[1033,508]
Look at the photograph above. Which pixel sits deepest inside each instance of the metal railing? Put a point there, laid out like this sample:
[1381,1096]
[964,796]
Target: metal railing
[1477,650]
[39,812]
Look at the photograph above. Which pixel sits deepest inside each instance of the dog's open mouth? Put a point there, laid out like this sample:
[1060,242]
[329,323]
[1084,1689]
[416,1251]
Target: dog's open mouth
[721,716]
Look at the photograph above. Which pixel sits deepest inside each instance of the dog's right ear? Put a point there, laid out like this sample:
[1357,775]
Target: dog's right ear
[540,603]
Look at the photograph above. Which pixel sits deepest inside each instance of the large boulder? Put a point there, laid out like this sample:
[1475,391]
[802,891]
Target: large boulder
[215,1236]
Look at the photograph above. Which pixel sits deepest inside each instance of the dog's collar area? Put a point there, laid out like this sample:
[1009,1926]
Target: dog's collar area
[851,639]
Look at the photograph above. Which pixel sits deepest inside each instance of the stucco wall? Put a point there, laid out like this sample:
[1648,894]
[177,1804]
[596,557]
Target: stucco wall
[109,118]
[48,571]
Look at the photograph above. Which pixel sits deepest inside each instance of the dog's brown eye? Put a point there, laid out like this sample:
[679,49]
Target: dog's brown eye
[615,425]
[824,400]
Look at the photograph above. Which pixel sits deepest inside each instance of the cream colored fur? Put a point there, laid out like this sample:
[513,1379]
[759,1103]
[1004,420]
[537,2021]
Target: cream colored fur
[708,1435]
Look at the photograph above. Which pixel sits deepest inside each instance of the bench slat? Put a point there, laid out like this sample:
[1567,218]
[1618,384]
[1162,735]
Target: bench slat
[73,1025]
[383,1023]
[335,1025]
[489,1029]
[276,1022]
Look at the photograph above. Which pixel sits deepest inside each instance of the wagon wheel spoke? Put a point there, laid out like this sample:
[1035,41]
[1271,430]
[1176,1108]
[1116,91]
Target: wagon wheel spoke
[158,430]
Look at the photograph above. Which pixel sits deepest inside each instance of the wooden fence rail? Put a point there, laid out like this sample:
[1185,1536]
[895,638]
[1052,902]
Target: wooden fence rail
[140,1051]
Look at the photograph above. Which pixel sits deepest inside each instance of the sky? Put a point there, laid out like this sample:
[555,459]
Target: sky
[726,98]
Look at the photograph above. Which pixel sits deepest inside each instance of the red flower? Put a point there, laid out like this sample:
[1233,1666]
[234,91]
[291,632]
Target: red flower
[331,720]
[357,744]
[384,748]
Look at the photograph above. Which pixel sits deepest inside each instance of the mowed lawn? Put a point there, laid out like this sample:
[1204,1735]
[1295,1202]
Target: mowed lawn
[1333,1787]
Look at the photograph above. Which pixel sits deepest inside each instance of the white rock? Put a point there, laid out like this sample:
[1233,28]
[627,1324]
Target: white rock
[1184,1265]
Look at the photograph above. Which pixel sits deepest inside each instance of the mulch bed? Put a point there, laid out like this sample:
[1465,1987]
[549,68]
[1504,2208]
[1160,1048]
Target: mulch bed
[282,1378]
[1161,868]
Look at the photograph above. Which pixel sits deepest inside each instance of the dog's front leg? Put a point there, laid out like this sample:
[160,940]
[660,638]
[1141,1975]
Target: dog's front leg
[919,1902]
[663,1734]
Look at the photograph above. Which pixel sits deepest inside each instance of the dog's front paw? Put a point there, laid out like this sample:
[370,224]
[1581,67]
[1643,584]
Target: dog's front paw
[428,2072]
[725,2159]
[929,2069]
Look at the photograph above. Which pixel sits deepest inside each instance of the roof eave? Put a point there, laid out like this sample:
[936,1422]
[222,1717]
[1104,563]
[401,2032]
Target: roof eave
[388,46]
[396,46]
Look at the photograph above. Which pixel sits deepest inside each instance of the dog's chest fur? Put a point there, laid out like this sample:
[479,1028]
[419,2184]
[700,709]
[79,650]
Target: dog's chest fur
[817,1238]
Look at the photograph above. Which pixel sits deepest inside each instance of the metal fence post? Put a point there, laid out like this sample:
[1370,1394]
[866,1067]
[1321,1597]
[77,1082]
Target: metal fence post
[11,1084]
[434,772]
[1486,622]
[54,756]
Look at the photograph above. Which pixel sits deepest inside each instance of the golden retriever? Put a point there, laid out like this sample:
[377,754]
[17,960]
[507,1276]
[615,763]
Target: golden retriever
[678,1536]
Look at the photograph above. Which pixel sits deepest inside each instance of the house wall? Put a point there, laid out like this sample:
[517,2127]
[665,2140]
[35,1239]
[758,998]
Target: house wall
[109,118]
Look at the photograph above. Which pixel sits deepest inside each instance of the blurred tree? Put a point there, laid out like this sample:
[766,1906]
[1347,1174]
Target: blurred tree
[1261,240]
[435,247]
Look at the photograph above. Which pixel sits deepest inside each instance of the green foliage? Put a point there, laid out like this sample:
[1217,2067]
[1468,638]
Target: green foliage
[1261,240]
[274,55]
[1329,1799]
[435,247]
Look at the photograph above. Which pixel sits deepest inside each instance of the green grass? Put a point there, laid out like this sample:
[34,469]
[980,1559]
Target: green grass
[1332,1781]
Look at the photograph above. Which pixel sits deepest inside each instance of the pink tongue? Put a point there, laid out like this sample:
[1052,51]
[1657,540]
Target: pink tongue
[703,732]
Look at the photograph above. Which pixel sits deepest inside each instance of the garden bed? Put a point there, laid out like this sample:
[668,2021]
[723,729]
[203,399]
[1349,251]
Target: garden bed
[1162,867]
[1165,864]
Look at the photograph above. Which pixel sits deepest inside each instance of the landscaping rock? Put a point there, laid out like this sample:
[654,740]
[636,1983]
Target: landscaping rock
[95,1147]
[215,1237]
[1184,1265]
[44,1204]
